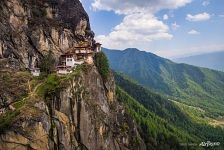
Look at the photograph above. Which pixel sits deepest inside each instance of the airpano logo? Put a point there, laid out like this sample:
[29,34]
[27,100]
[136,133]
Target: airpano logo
[209,144]
[202,144]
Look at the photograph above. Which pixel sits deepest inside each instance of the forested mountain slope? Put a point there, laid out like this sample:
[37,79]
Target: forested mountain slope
[160,119]
[200,87]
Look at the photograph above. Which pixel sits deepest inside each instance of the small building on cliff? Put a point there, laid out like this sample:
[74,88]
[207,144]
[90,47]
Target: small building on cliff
[83,53]
[98,47]
[64,69]
[35,72]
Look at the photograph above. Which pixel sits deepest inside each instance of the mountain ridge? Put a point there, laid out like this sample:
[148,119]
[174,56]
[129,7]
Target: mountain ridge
[212,60]
[192,85]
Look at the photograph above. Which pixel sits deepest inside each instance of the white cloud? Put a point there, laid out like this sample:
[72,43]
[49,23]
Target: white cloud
[139,26]
[175,26]
[135,29]
[133,6]
[193,32]
[206,3]
[222,16]
[165,17]
[198,17]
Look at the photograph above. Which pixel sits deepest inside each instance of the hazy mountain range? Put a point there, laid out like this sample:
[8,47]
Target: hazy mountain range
[213,60]
[192,85]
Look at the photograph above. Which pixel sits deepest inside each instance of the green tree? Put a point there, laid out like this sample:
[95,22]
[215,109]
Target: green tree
[102,65]
[47,63]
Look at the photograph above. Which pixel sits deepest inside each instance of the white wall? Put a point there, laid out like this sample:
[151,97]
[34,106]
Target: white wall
[70,62]
[62,71]
[35,73]
[98,49]
[79,62]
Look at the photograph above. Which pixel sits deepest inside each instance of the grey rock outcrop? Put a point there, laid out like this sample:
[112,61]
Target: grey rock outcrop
[80,116]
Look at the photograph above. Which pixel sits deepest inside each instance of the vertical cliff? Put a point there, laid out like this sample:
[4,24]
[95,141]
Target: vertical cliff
[76,111]
[30,29]
[79,111]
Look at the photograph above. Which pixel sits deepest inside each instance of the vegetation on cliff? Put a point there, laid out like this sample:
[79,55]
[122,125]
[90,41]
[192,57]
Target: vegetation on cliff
[47,64]
[14,88]
[102,64]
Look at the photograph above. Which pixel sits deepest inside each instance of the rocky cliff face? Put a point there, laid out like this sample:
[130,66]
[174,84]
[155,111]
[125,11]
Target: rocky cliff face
[77,111]
[84,114]
[29,29]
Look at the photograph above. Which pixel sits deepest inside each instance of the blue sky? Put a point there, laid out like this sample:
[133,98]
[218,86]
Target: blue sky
[172,28]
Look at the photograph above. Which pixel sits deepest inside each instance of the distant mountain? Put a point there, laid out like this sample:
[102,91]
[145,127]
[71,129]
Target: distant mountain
[195,86]
[211,60]
[161,120]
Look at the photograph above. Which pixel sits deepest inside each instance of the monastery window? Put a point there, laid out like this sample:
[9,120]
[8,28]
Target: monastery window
[69,59]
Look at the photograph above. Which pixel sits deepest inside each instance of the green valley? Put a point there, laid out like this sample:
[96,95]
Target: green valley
[163,121]
[190,85]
